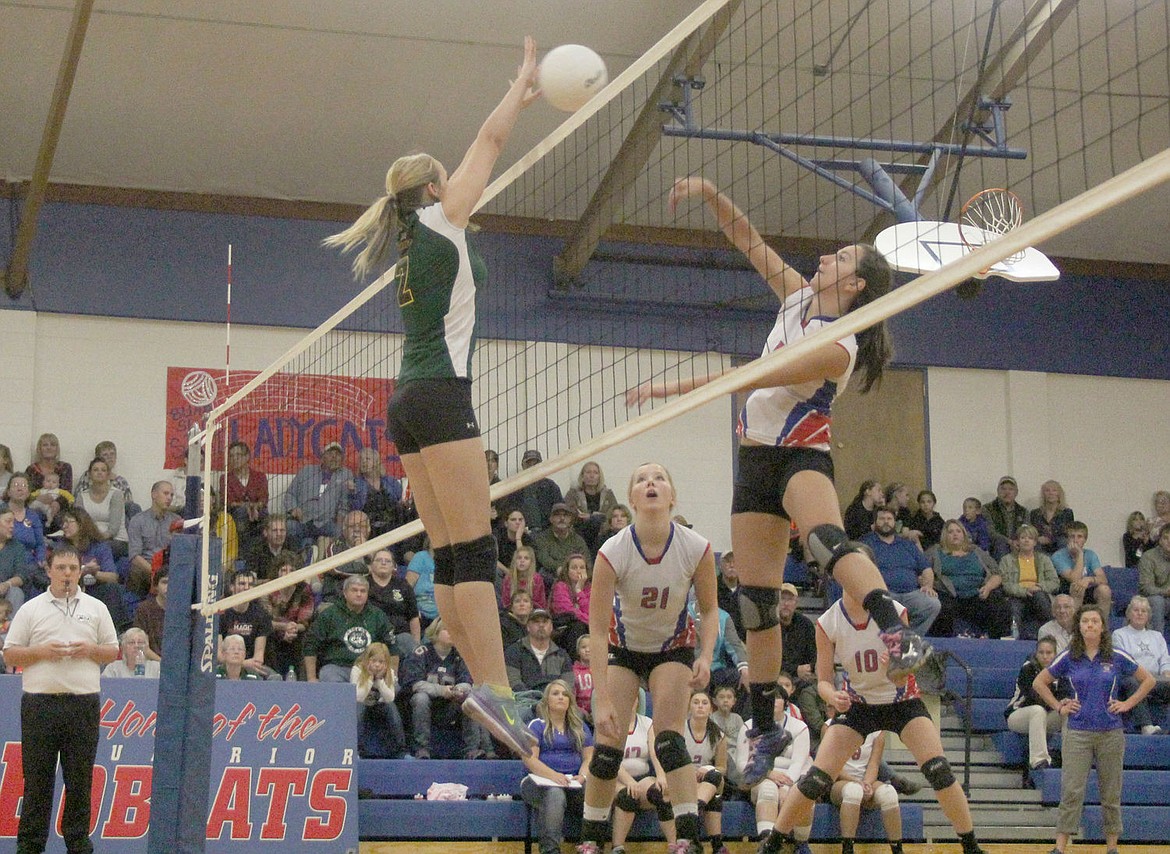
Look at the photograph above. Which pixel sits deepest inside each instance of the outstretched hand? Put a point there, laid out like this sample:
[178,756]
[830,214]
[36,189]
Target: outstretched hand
[685,187]
[526,73]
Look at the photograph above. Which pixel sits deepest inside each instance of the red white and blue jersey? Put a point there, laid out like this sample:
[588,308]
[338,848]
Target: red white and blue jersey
[650,596]
[856,764]
[795,416]
[858,649]
[701,746]
[636,759]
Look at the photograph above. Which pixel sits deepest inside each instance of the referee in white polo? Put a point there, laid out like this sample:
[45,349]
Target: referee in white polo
[61,639]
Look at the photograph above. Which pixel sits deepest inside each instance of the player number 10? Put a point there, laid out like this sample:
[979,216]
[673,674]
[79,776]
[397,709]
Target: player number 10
[866,661]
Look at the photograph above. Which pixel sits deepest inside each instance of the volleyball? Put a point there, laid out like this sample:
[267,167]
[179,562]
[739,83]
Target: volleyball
[570,75]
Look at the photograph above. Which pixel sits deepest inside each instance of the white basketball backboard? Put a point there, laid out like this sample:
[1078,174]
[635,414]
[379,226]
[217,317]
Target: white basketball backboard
[924,246]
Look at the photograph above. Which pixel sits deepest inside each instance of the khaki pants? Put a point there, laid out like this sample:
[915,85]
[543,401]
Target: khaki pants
[1036,722]
[1081,750]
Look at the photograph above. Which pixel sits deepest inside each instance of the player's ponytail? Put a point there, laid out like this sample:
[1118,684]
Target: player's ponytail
[875,348]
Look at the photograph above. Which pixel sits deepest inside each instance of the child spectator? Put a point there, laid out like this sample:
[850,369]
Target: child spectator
[50,500]
[583,678]
[1136,538]
[976,523]
[375,676]
[1080,569]
[926,520]
[522,575]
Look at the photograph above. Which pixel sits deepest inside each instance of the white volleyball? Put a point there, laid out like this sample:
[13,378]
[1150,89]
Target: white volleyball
[570,75]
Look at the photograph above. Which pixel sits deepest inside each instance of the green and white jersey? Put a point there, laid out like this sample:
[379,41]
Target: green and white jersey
[436,281]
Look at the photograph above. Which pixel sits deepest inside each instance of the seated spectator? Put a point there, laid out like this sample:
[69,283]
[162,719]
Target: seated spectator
[1027,713]
[375,493]
[420,575]
[641,784]
[260,556]
[1005,516]
[537,499]
[732,726]
[1029,580]
[317,495]
[590,500]
[245,491]
[729,591]
[926,520]
[499,511]
[106,505]
[250,621]
[534,661]
[341,633]
[555,543]
[133,661]
[857,787]
[897,498]
[150,612]
[976,524]
[862,510]
[1148,649]
[49,501]
[514,621]
[395,597]
[1136,538]
[729,660]
[564,747]
[1060,627]
[1161,517]
[969,586]
[232,654]
[570,600]
[906,571]
[513,533]
[1051,518]
[798,650]
[617,519]
[150,532]
[792,763]
[522,575]
[1080,569]
[13,562]
[707,746]
[6,466]
[375,677]
[436,681]
[291,609]
[1154,579]
[583,678]
[99,574]
[107,452]
[29,529]
[48,459]
[355,528]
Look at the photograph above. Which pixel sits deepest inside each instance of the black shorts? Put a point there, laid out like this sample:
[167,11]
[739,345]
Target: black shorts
[431,412]
[764,472]
[643,663]
[863,718]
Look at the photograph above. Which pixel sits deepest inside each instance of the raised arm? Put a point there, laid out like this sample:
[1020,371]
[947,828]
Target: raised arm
[466,184]
[781,278]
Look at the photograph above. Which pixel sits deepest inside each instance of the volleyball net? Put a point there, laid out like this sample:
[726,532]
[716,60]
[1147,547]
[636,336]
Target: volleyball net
[825,129]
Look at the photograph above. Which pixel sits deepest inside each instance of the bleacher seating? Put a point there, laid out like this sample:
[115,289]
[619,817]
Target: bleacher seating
[1123,581]
[1141,751]
[1139,824]
[389,809]
[1139,788]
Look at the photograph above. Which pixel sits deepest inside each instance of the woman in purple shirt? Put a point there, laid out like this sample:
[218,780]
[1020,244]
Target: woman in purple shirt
[1094,733]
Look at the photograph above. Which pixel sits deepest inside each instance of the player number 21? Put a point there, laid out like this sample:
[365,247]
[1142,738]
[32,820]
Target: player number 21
[650,597]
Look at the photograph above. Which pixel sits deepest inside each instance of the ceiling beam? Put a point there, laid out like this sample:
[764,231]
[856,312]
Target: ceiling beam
[639,144]
[16,275]
[1004,70]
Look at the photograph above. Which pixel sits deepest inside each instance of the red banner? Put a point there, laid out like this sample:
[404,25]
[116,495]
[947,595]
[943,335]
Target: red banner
[287,421]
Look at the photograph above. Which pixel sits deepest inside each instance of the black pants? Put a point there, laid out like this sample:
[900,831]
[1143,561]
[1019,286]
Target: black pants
[53,725]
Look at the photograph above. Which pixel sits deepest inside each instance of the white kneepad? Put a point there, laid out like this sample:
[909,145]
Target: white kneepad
[885,797]
[851,794]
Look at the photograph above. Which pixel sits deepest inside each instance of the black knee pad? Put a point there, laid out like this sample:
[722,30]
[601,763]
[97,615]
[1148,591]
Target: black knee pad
[475,560]
[713,777]
[815,784]
[759,607]
[624,801]
[938,773]
[605,762]
[671,748]
[715,804]
[444,557]
[827,544]
[662,807]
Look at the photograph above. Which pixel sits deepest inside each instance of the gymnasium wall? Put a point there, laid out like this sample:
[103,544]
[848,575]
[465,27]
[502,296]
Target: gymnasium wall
[119,294]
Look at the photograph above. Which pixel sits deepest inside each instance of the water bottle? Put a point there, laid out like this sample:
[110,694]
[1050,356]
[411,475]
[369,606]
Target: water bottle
[139,663]
[1015,627]
[291,675]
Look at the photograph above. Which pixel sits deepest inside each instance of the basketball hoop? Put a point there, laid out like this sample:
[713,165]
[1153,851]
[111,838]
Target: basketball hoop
[989,214]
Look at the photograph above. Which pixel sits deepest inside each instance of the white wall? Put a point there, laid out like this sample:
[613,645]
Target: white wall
[1105,439]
